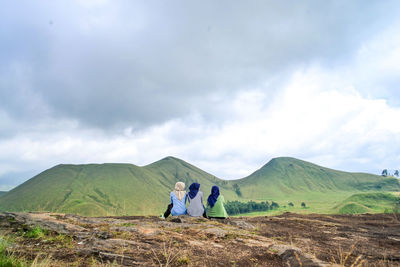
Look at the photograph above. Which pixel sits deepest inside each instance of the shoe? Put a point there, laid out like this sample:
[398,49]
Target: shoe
[162,217]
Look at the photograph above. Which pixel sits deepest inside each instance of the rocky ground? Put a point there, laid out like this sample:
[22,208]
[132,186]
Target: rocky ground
[285,240]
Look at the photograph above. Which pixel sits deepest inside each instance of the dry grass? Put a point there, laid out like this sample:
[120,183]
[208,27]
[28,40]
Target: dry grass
[168,254]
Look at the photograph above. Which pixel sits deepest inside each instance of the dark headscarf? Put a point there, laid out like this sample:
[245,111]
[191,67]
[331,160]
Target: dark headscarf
[214,195]
[194,189]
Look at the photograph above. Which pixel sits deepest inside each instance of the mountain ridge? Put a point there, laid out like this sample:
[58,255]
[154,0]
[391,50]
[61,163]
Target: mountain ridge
[119,188]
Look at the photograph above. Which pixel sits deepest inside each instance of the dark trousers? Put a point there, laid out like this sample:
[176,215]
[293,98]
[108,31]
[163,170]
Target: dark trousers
[168,211]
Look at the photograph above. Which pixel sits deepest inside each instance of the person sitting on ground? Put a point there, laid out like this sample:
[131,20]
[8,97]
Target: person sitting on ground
[195,198]
[215,204]
[178,201]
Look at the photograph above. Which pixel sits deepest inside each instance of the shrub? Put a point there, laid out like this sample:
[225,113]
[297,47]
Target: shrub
[36,233]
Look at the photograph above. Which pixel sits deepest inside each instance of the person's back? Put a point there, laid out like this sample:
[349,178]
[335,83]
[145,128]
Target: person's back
[215,204]
[196,207]
[218,210]
[179,206]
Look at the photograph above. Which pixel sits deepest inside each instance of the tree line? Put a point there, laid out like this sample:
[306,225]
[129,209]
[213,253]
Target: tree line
[236,207]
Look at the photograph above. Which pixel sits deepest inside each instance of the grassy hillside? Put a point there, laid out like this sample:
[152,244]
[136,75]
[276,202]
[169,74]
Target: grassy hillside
[291,176]
[105,189]
[108,189]
[291,180]
[367,202]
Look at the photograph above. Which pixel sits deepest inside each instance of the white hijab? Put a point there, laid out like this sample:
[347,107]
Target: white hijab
[180,190]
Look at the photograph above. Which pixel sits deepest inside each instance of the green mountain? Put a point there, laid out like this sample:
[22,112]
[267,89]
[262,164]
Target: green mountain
[109,189]
[367,202]
[105,189]
[289,176]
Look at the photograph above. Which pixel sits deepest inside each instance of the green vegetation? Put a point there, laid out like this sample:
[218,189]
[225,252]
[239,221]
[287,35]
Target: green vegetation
[288,176]
[367,202]
[35,232]
[126,189]
[7,259]
[108,189]
[236,207]
[236,187]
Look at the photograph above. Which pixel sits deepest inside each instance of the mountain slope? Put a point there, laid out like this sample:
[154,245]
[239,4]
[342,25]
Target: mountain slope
[114,189]
[105,189]
[288,176]
[367,202]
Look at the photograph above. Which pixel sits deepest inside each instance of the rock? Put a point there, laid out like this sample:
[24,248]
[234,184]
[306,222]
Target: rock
[103,235]
[242,224]
[293,256]
[217,232]
[120,259]
[148,231]
[43,220]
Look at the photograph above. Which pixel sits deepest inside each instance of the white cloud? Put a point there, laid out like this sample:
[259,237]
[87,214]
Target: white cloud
[331,127]
[132,82]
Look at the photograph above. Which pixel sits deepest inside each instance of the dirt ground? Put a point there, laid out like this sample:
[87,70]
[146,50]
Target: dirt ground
[285,240]
[372,238]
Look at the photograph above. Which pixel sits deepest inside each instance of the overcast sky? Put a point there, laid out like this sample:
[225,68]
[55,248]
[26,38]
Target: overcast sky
[224,85]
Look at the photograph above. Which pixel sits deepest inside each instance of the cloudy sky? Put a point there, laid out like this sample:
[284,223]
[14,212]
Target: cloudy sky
[224,85]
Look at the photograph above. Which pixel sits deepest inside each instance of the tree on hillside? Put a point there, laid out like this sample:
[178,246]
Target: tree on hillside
[291,204]
[396,173]
[274,205]
[303,204]
[384,173]
[236,187]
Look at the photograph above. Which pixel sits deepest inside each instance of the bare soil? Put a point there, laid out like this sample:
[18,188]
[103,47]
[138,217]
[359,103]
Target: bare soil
[285,240]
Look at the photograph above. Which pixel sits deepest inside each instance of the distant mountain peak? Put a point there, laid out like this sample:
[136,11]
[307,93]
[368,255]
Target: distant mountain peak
[171,158]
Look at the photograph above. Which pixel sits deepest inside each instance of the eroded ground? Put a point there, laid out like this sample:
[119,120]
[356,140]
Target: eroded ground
[285,240]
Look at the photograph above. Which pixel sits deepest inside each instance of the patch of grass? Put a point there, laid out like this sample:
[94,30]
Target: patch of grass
[35,233]
[273,250]
[128,224]
[231,236]
[122,235]
[7,259]
[177,229]
[183,260]
[61,240]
